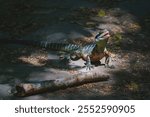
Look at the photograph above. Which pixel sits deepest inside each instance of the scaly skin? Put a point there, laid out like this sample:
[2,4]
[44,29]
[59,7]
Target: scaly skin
[91,53]
[95,54]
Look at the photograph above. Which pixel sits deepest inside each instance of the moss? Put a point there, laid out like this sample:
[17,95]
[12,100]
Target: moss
[133,86]
[134,26]
[117,36]
[101,13]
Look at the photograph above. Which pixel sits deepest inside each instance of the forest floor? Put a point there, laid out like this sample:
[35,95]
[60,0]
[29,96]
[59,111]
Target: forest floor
[130,79]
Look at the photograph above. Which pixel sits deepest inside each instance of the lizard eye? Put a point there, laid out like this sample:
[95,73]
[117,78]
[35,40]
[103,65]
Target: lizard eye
[97,35]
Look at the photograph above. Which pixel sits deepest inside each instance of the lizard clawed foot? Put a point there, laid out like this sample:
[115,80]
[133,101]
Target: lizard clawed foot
[88,66]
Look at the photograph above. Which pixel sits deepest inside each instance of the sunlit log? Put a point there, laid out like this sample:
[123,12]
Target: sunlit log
[26,89]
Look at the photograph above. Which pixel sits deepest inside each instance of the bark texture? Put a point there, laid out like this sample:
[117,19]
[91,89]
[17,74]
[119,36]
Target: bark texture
[31,88]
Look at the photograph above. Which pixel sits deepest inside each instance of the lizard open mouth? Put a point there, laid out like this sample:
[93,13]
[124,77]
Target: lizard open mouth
[106,35]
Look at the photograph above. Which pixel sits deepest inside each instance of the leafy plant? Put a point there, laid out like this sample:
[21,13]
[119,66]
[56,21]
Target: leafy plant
[101,13]
[117,37]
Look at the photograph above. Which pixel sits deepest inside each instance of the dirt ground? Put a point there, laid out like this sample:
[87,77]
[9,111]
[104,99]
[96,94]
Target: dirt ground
[78,23]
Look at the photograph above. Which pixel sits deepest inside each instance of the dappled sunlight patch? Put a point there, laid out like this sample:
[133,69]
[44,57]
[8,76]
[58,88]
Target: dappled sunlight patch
[90,24]
[140,64]
[99,89]
[101,13]
[134,26]
[132,77]
[107,90]
[117,21]
[112,27]
[88,91]
[36,60]
[117,36]
[132,86]
[116,39]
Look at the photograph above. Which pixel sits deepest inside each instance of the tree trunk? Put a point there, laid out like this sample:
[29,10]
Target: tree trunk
[26,89]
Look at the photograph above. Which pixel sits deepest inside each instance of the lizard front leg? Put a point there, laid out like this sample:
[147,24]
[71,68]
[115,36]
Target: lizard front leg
[88,64]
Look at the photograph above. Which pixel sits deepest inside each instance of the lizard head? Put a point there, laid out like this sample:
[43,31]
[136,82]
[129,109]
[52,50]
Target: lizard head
[103,34]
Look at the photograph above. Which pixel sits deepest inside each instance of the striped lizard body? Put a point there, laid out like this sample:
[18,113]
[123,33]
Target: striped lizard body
[92,52]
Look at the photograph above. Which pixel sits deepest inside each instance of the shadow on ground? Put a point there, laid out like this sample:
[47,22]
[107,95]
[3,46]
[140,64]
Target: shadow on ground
[56,20]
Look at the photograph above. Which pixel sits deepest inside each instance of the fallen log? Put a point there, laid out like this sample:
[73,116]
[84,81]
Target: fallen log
[31,88]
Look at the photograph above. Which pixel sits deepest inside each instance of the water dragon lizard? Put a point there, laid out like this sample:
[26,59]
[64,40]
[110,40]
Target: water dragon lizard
[91,53]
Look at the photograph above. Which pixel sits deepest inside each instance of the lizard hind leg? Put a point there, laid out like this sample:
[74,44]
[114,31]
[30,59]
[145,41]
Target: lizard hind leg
[107,60]
[65,58]
[107,55]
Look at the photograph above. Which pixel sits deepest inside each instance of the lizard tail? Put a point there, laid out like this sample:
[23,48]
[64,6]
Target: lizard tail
[42,44]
